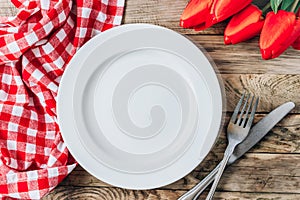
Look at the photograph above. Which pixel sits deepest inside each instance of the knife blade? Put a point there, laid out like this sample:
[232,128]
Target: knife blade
[257,132]
[260,129]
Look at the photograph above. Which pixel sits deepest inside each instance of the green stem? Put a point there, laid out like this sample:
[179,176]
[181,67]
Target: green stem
[294,6]
[267,6]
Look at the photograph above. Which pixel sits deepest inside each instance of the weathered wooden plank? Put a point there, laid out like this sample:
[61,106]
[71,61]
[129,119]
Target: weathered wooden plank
[248,174]
[260,173]
[283,138]
[7,9]
[67,192]
[111,193]
[272,89]
[253,196]
[245,57]
[256,160]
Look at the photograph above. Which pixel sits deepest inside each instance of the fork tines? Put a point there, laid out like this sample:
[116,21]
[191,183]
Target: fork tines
[246,118]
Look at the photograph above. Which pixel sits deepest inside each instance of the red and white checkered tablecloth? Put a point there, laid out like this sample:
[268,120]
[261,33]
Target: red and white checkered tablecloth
[35,47]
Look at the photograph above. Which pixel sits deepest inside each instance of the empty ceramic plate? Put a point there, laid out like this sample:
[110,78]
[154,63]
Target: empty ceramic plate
[139,106]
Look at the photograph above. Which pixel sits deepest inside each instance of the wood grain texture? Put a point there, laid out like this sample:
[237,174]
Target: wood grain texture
[7,9]
[66,193]
[249,174]
[262,173]
[283,138]
[245,57]
[253,196]
[109,193]
[273,89]
[106,193]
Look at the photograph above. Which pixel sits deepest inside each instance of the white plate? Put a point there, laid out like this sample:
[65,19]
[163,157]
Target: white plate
[139,106]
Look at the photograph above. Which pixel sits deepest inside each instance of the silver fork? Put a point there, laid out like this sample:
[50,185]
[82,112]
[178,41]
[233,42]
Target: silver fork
[237,131]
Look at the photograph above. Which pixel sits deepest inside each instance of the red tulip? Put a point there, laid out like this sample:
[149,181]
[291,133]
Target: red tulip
[201,14]
[280,30]
[222,9]
[244,25]
[195,13]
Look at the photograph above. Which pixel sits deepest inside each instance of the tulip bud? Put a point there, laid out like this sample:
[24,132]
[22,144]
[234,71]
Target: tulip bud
[195,13]
[222,9]
[280,30]
[201,14]
[244,25]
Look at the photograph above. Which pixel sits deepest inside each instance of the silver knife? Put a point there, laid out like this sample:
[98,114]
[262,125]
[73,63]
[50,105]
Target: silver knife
[257,132]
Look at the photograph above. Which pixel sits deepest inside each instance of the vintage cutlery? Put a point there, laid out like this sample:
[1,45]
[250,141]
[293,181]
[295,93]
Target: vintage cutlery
[257,132]
[237,131]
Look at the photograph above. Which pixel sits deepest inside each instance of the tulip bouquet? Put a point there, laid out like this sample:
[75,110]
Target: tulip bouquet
[277,22]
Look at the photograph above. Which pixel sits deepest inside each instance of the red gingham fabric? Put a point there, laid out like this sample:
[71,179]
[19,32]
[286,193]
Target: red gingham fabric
[35,47]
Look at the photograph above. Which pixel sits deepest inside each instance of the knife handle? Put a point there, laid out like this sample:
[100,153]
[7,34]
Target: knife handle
[200,187]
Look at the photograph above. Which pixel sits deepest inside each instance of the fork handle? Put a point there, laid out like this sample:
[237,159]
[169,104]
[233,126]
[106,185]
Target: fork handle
[227,154]
[201,186]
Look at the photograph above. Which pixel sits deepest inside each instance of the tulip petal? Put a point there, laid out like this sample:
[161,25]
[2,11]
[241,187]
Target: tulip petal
[222,9]
[195,13]
[283,46]
[244,25]
[277,30]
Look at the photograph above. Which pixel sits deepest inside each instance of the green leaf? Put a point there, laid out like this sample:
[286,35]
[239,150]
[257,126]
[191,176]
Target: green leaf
[275,4]
[286,4]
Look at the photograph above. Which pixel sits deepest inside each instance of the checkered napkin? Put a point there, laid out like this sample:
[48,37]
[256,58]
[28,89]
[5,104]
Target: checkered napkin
[35,47]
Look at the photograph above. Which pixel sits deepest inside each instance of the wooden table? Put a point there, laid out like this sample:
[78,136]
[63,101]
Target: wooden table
[271,170]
